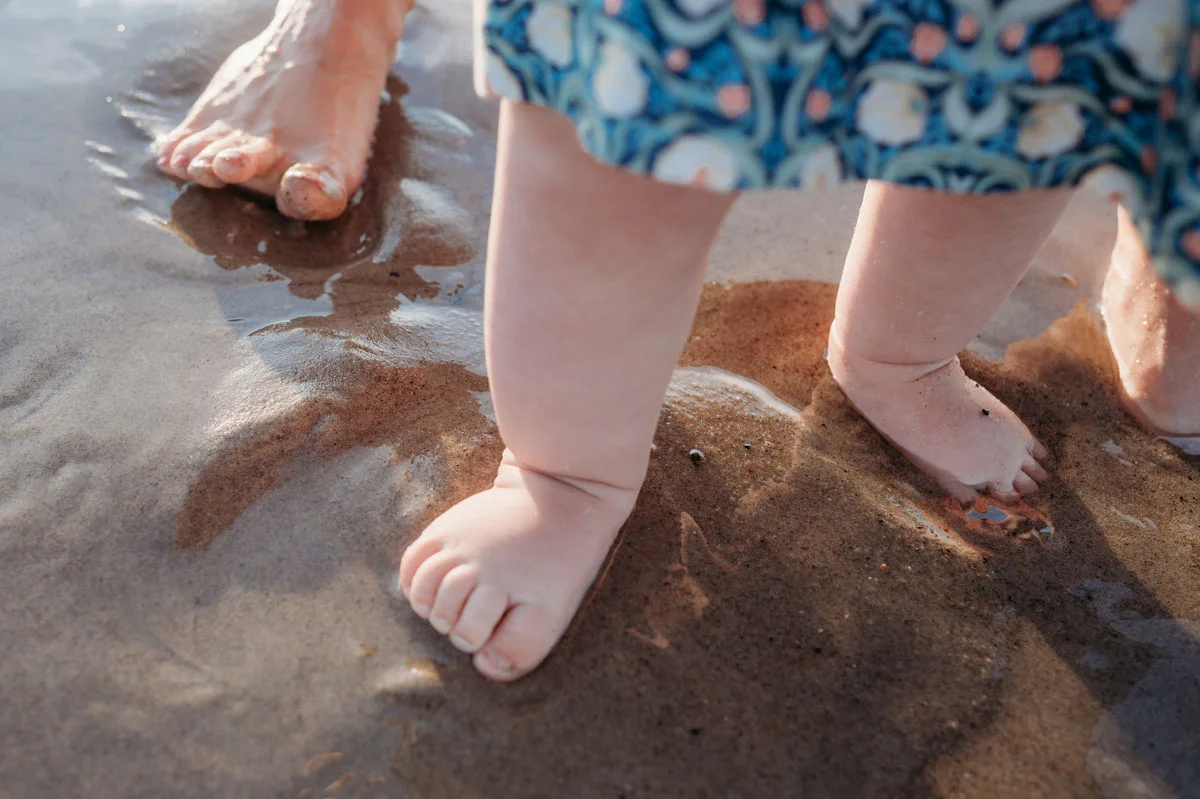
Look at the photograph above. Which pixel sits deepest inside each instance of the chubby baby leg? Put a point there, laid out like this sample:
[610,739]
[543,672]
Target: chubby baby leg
[925,271]
[593,277]
[1155,342]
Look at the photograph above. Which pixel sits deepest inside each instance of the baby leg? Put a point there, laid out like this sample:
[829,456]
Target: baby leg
[592,280]
[925,271]
[1155,341]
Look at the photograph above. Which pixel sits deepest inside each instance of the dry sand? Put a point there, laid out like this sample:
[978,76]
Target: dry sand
[218,429]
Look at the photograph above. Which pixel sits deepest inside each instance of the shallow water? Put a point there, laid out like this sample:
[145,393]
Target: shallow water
[218,428]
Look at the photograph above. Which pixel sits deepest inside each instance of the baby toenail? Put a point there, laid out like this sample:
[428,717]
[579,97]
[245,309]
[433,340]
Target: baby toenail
[440,624]
[497,662]
[421,610]
[462,644]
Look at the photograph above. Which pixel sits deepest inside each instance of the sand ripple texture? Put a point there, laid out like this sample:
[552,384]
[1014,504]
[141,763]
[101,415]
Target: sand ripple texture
[219,428]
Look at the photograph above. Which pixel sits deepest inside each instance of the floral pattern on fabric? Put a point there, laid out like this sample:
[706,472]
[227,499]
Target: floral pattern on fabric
[966,96]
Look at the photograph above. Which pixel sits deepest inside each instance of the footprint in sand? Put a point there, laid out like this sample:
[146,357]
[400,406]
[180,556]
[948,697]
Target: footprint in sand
[693,392]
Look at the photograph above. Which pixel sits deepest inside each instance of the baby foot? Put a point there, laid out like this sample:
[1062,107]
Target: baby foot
[503,572]
[947,424]
[1156,345]
[291,112]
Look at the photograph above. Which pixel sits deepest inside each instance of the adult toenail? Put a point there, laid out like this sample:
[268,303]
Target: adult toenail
[462,644]
[497,662]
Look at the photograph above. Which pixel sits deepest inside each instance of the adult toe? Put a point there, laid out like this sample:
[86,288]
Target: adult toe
[200,169]
[245,159]
[193,145]
[312,191]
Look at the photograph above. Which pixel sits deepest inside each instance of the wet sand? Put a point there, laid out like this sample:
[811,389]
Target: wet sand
[219,428]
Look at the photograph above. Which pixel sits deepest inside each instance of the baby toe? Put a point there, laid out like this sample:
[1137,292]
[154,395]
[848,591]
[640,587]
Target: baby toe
[1004,492]
[416,554]
[1025,484]
[519,645]
[427,580]
[451,596]
[1034,469]
[1039,450]
[480,615]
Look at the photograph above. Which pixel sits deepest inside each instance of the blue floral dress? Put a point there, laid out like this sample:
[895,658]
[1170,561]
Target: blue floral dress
[966,96]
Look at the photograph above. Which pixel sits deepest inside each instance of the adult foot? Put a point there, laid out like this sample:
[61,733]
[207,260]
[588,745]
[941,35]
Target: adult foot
[503,572]
[290,114]
[947,424]
[1155,342]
